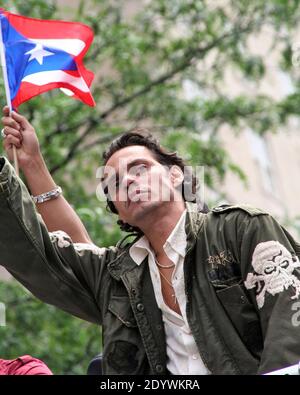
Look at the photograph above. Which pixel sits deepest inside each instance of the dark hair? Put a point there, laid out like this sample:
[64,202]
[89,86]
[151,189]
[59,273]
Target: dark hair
[143,137]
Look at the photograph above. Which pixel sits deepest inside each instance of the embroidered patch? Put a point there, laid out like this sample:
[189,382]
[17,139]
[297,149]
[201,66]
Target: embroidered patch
[274,266]
[82,247]
[63,241]
[222,258]
[223,269]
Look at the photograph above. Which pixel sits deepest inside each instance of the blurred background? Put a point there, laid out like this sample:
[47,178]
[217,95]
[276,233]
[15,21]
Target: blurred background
[217,81]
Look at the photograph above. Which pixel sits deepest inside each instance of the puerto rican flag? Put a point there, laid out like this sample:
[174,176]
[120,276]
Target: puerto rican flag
[45,54]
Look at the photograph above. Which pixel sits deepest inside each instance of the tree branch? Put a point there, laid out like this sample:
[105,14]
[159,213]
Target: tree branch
[190,55]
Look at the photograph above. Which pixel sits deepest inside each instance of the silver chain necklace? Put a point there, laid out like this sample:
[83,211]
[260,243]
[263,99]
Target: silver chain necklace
[165,278]
[170,284]
[163,266]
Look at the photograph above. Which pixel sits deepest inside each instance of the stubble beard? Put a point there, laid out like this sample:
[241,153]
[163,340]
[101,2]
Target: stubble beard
[144,212]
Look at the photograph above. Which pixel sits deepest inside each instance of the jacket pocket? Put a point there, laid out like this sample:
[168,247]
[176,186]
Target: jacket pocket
[243,316]
[120,307]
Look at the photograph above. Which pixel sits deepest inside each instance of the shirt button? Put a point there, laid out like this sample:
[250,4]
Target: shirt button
[159,368]
[140,307]
[194,356]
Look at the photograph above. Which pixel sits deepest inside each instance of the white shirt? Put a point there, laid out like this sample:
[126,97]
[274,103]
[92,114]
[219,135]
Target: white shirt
[182,352]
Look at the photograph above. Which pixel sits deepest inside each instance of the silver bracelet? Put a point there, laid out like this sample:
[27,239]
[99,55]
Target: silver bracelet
[44,197]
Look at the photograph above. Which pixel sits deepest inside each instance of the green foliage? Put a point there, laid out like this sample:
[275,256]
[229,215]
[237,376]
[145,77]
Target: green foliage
[143,61]
[64,343]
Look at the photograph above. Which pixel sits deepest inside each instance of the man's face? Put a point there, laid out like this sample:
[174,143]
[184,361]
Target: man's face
[138,184]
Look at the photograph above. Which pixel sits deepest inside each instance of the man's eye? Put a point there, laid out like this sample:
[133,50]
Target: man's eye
[141,169]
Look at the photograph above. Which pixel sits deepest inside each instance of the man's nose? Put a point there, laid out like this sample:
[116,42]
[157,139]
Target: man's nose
[128,179]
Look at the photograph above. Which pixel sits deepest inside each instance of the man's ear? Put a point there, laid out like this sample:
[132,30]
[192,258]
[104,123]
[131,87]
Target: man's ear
[176,176]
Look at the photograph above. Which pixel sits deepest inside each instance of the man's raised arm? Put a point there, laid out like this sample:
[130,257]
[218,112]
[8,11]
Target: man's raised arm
[57,213]
[71,276]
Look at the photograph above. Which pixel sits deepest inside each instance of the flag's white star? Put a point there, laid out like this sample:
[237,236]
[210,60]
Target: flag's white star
[38,53]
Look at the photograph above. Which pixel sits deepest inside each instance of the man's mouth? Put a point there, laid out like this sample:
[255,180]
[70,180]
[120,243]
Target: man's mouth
[134,197]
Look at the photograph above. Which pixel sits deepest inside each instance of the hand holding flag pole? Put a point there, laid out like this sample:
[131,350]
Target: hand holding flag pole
[7,92]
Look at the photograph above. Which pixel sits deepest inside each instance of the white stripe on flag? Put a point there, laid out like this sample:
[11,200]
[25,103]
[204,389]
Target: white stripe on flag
[46,77]
[72,46]
[67,91]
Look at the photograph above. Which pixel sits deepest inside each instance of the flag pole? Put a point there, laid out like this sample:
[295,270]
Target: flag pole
[7,91]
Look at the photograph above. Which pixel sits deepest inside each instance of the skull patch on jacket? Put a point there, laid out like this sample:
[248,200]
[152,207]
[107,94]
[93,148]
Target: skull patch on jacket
[274,266]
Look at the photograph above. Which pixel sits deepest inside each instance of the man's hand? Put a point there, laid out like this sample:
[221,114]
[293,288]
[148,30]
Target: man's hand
[57,213]
[20,133]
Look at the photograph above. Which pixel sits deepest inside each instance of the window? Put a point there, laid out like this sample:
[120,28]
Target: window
[260,153]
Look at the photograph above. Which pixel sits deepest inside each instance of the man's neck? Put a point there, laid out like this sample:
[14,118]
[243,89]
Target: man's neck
[160,226]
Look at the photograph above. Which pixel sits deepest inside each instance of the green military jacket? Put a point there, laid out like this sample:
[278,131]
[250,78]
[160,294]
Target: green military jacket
[241,274]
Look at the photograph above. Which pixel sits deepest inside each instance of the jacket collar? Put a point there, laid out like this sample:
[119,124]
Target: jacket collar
[123,263]
[193,224]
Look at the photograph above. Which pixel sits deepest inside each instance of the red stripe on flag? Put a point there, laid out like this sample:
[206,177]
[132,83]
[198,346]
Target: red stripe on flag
[39,29]
[27,91]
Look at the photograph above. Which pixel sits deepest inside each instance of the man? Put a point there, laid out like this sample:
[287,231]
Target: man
[195,293]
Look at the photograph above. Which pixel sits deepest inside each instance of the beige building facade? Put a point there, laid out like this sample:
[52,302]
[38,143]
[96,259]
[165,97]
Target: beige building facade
[272,166]
[271,162]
